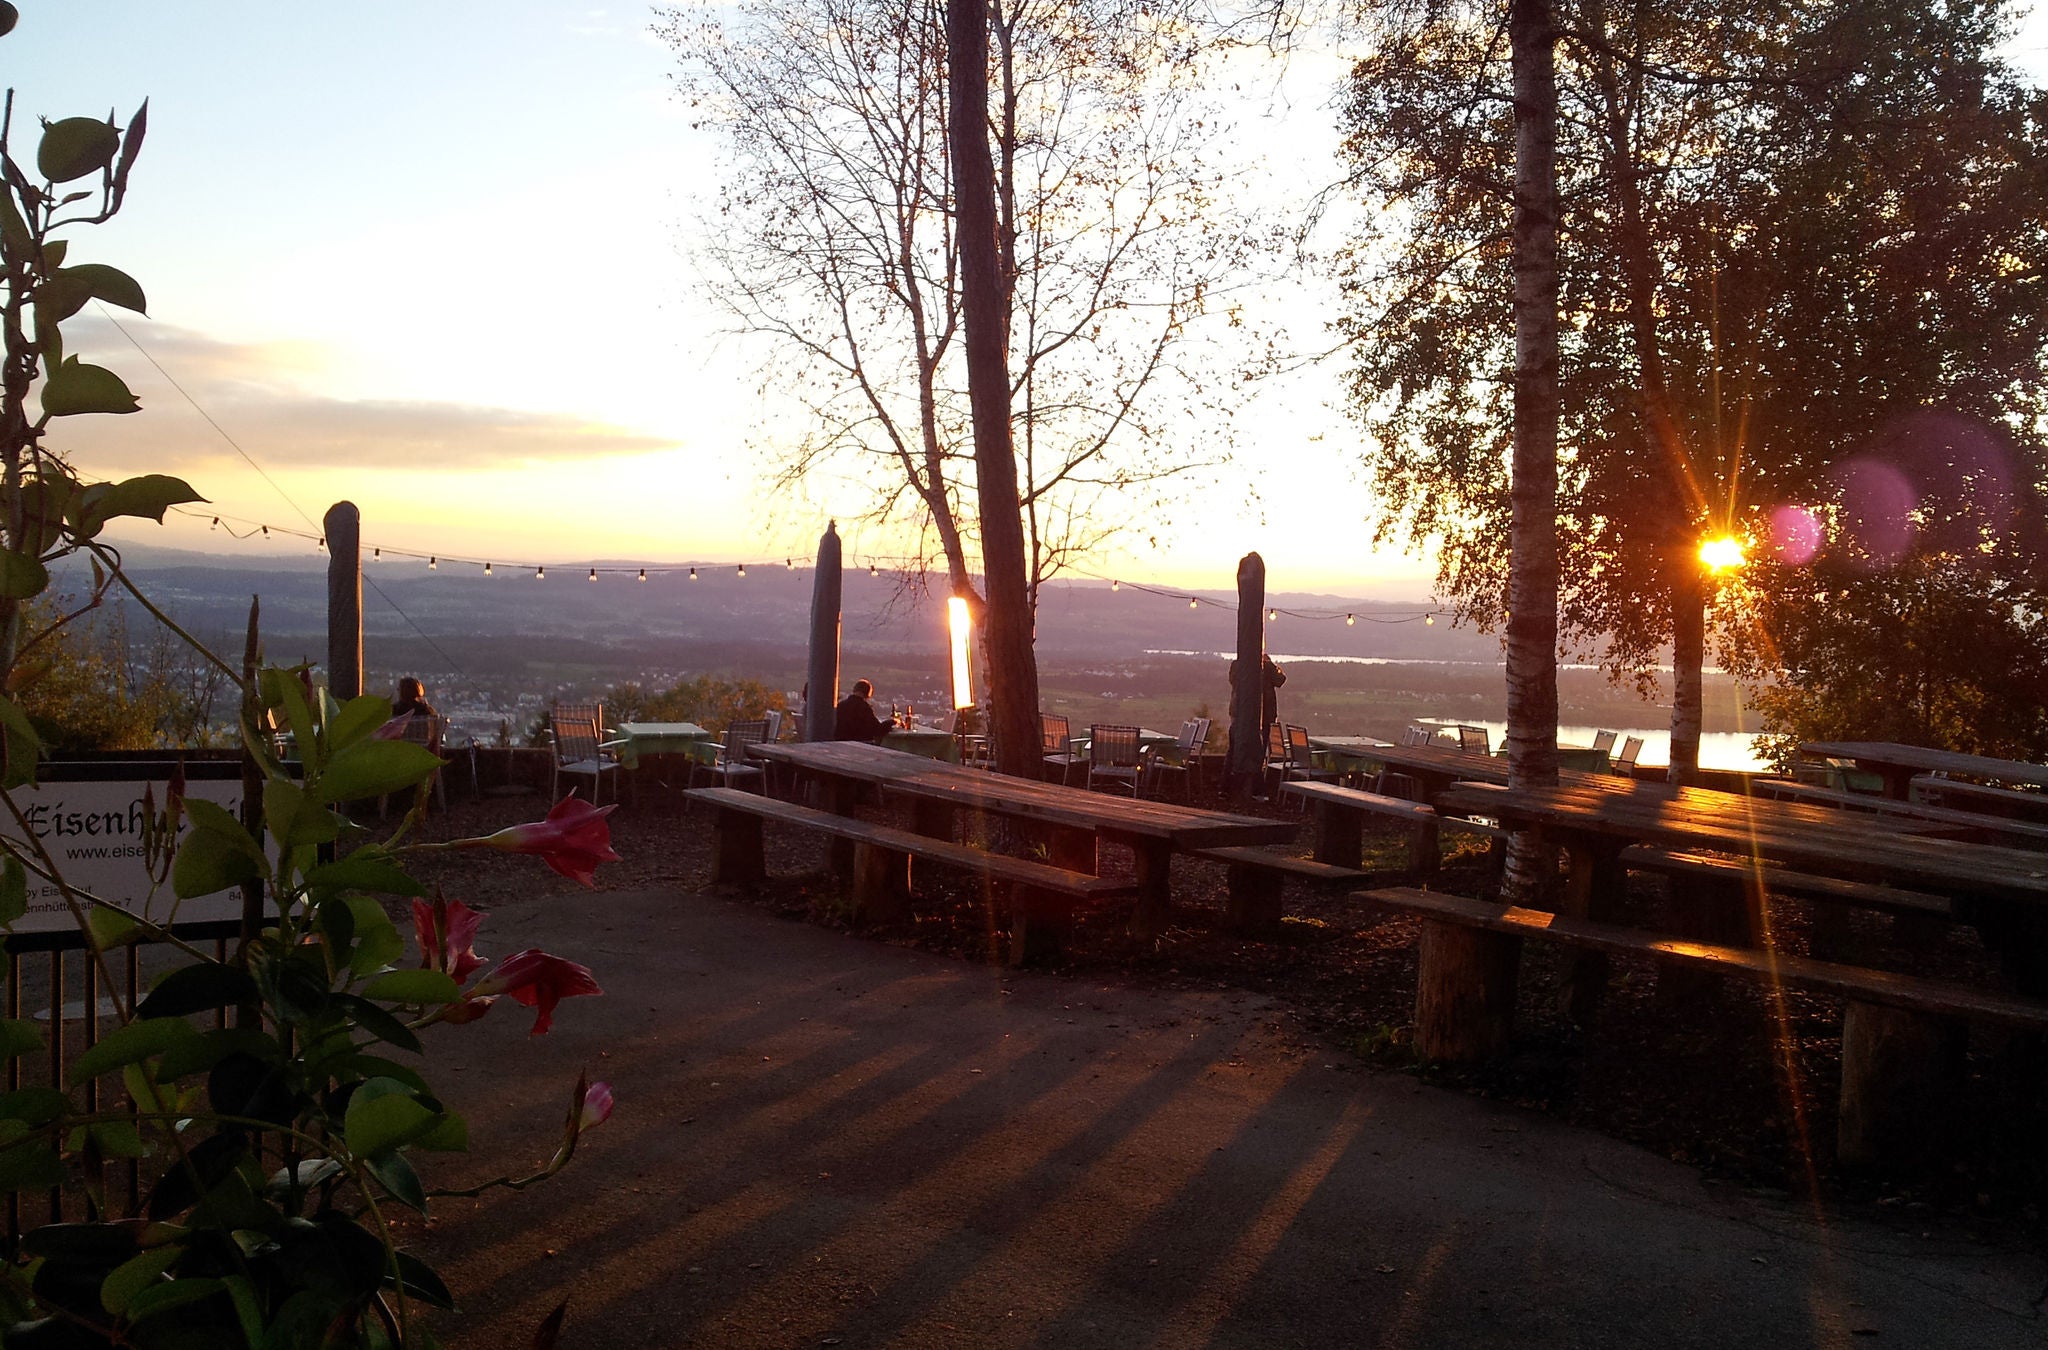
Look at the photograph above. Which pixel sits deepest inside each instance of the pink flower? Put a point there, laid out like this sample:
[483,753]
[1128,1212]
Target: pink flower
[466,1009]
[447,933]
[573,839]
[596,1108]
[538,980]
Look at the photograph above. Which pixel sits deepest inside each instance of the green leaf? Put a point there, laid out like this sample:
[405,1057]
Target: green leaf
[209,1048]
[117,1139]
[75,147]
[161,1298]
[418,1279]
[208,862]
[400,1179]
[373,768]
[248,1308]
[75,388]
[378,941]
[147,497]
[14,235]
[44,502]
[23,745]
[58,299]
[22,576]
[13,890]
[382,1115]
[54,253]
[413,986]
[376,1020]
[450,1136]
[198,987]
[19,1036]
[37,1106]
[131,1277]
[31,1165]
[367,869]
[127,1045]
[294,820]
[356,720]
[281,689]
[110,928]
[110,284]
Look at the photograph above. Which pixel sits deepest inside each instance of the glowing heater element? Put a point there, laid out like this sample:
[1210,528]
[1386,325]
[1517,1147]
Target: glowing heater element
[961,626]
[1721,555]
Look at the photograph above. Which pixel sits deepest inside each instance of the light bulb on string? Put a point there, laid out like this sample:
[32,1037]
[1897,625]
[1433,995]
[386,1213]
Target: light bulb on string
[1350,620]
[1429,621]
[593,574]
[693,574]
[1191,602]
[873,570]
[540,574]
[487,569]
[433,564]
[376,555]
[216,522]
[1116,585]
[789,564]
[743,569]
[643,574]
[1271,615]
[266,532]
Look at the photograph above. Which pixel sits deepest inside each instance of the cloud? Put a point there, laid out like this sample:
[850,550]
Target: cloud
[254,392]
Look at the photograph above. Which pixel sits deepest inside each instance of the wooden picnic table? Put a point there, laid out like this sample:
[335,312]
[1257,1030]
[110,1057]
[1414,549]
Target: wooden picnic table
[1436,767]
[1924,817]
[1153,830]
[1897,764]
[2002,890]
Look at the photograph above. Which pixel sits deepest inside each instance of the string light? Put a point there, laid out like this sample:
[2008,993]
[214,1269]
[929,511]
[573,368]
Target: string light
[1195,602]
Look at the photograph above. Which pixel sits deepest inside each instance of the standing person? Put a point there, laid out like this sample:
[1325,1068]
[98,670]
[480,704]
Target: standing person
[412,703]
[1271,677]
[854,719]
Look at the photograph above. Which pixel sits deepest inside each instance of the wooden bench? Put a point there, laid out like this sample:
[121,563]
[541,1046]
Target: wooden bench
[1340,814]
[1252,898]
[1721,899]
[1042,897]
[1903,1037]
[1979,797]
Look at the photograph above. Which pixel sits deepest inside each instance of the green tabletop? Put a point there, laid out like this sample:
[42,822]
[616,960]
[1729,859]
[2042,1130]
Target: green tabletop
[930,743]
[662,738]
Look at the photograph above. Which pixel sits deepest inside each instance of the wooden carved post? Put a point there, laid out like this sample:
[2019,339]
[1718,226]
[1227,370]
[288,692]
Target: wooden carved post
[1464,993]
[822,690]
[1247,695]
[344,527]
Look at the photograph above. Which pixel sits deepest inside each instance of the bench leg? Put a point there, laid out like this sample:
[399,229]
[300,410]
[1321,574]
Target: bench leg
[881,884]
[1340,835]
[1723,911]
[837,795]
[1154,858]
[1465,992]
[1253,906]
[1592,891]
[737,858]
[1040,922]
[1425,853]
[1901,1071]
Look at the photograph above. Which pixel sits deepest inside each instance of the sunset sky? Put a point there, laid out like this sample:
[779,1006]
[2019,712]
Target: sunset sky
[431,258]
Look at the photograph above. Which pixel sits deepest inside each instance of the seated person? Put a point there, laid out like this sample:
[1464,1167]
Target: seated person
[411,704]
[854,719]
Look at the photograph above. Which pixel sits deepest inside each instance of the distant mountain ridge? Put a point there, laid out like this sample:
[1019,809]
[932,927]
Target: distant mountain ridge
[768,608]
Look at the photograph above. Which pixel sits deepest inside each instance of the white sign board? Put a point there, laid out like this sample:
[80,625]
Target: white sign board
[94,832]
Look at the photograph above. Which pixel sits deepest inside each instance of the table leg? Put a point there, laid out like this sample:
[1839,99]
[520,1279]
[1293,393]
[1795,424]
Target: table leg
[1154,859]
[1594,886]
[1340,835]
[838,795]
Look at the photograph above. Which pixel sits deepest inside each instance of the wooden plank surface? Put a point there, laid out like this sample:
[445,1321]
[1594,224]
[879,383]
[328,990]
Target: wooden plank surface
[2006,829]
[1811,838]
[1767,968]
[1925,759]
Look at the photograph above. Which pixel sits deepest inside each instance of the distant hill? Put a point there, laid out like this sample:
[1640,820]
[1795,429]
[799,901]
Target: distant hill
[767,610]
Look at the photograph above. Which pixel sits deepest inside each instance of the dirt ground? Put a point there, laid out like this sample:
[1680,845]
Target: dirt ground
[1737,1082]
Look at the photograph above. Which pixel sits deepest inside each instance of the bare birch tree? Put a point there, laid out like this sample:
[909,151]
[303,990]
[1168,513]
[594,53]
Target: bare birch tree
[835,246]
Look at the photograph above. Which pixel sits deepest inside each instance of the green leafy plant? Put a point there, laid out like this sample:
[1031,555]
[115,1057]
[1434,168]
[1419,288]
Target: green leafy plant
[276,1149]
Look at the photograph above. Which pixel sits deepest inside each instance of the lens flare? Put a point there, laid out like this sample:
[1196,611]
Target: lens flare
[1723,554]
[1795,534]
